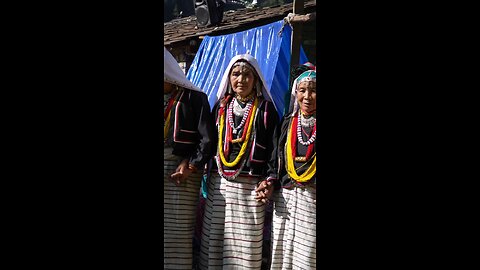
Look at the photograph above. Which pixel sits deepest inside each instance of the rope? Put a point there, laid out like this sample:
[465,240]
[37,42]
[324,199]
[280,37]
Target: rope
[286,20]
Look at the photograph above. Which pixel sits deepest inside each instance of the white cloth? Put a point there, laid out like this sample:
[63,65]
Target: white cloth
[294,229]
[172,72]
[179,206]
[293,107]
[294,241]
[232,235]
[222,89]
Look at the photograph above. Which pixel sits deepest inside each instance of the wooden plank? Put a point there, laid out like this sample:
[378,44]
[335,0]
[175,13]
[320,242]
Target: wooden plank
[303,18]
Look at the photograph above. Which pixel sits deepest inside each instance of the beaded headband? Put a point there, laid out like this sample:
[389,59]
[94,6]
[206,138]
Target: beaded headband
[307,76]
[310,66]
[242,64]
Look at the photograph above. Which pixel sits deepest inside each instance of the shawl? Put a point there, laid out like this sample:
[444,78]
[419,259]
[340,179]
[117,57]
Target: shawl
[172,73]
[225,82]
[309,75]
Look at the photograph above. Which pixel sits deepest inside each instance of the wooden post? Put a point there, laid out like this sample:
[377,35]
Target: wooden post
[298,8]
[296,33]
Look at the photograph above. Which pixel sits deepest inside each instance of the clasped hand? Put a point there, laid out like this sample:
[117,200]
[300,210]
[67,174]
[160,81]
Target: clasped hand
[181,173]
[264,191]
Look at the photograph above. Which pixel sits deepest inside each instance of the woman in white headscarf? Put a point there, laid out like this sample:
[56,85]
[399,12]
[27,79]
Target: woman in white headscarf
[188,141]
[242,180]
[294,216]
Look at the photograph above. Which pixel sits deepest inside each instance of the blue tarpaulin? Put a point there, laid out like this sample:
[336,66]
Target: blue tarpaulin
[271,50]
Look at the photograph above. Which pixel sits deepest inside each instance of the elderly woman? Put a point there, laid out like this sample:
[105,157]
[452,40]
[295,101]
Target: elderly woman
[294,217]
[188,141]
[241,181]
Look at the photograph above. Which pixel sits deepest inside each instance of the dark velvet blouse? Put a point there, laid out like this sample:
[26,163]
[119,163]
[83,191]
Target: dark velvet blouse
[261,153]
[285,180]
[191,131]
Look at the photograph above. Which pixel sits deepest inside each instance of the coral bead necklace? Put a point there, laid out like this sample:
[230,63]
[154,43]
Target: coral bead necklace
[299,131]
[244,118]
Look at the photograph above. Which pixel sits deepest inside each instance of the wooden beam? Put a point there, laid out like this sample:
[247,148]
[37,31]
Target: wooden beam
[304,18]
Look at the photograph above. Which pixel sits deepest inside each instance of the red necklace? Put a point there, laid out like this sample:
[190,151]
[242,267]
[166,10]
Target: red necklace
[229,131]
[169,106]
[294,141]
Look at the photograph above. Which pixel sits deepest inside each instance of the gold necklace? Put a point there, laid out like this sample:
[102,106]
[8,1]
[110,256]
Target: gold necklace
[245,99]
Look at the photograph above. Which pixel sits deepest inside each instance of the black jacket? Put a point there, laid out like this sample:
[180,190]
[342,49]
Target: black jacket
[262,157]
[191,128]
[284,178]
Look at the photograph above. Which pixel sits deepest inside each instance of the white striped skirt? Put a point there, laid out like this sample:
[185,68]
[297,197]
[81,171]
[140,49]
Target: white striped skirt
[294,229]
[232,234]
[179,205]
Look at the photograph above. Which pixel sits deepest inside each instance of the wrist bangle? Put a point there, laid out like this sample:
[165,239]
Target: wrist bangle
[266,180]
[269,179]
[192,167]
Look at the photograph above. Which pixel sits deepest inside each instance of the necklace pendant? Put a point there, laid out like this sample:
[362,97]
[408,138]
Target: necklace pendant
[301,159]
[234,131]
[239,140]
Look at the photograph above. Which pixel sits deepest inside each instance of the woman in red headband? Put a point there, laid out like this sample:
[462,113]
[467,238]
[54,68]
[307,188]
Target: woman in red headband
[294,217]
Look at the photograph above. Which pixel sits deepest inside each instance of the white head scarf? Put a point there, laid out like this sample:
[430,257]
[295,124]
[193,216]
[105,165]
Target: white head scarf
[173,74]
[225,82]
[293,97]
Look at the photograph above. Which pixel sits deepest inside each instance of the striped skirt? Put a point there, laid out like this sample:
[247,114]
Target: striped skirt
[180,204]
[232,235]
[294,229]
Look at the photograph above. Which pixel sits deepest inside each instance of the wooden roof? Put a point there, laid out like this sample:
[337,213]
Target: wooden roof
[183,29]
